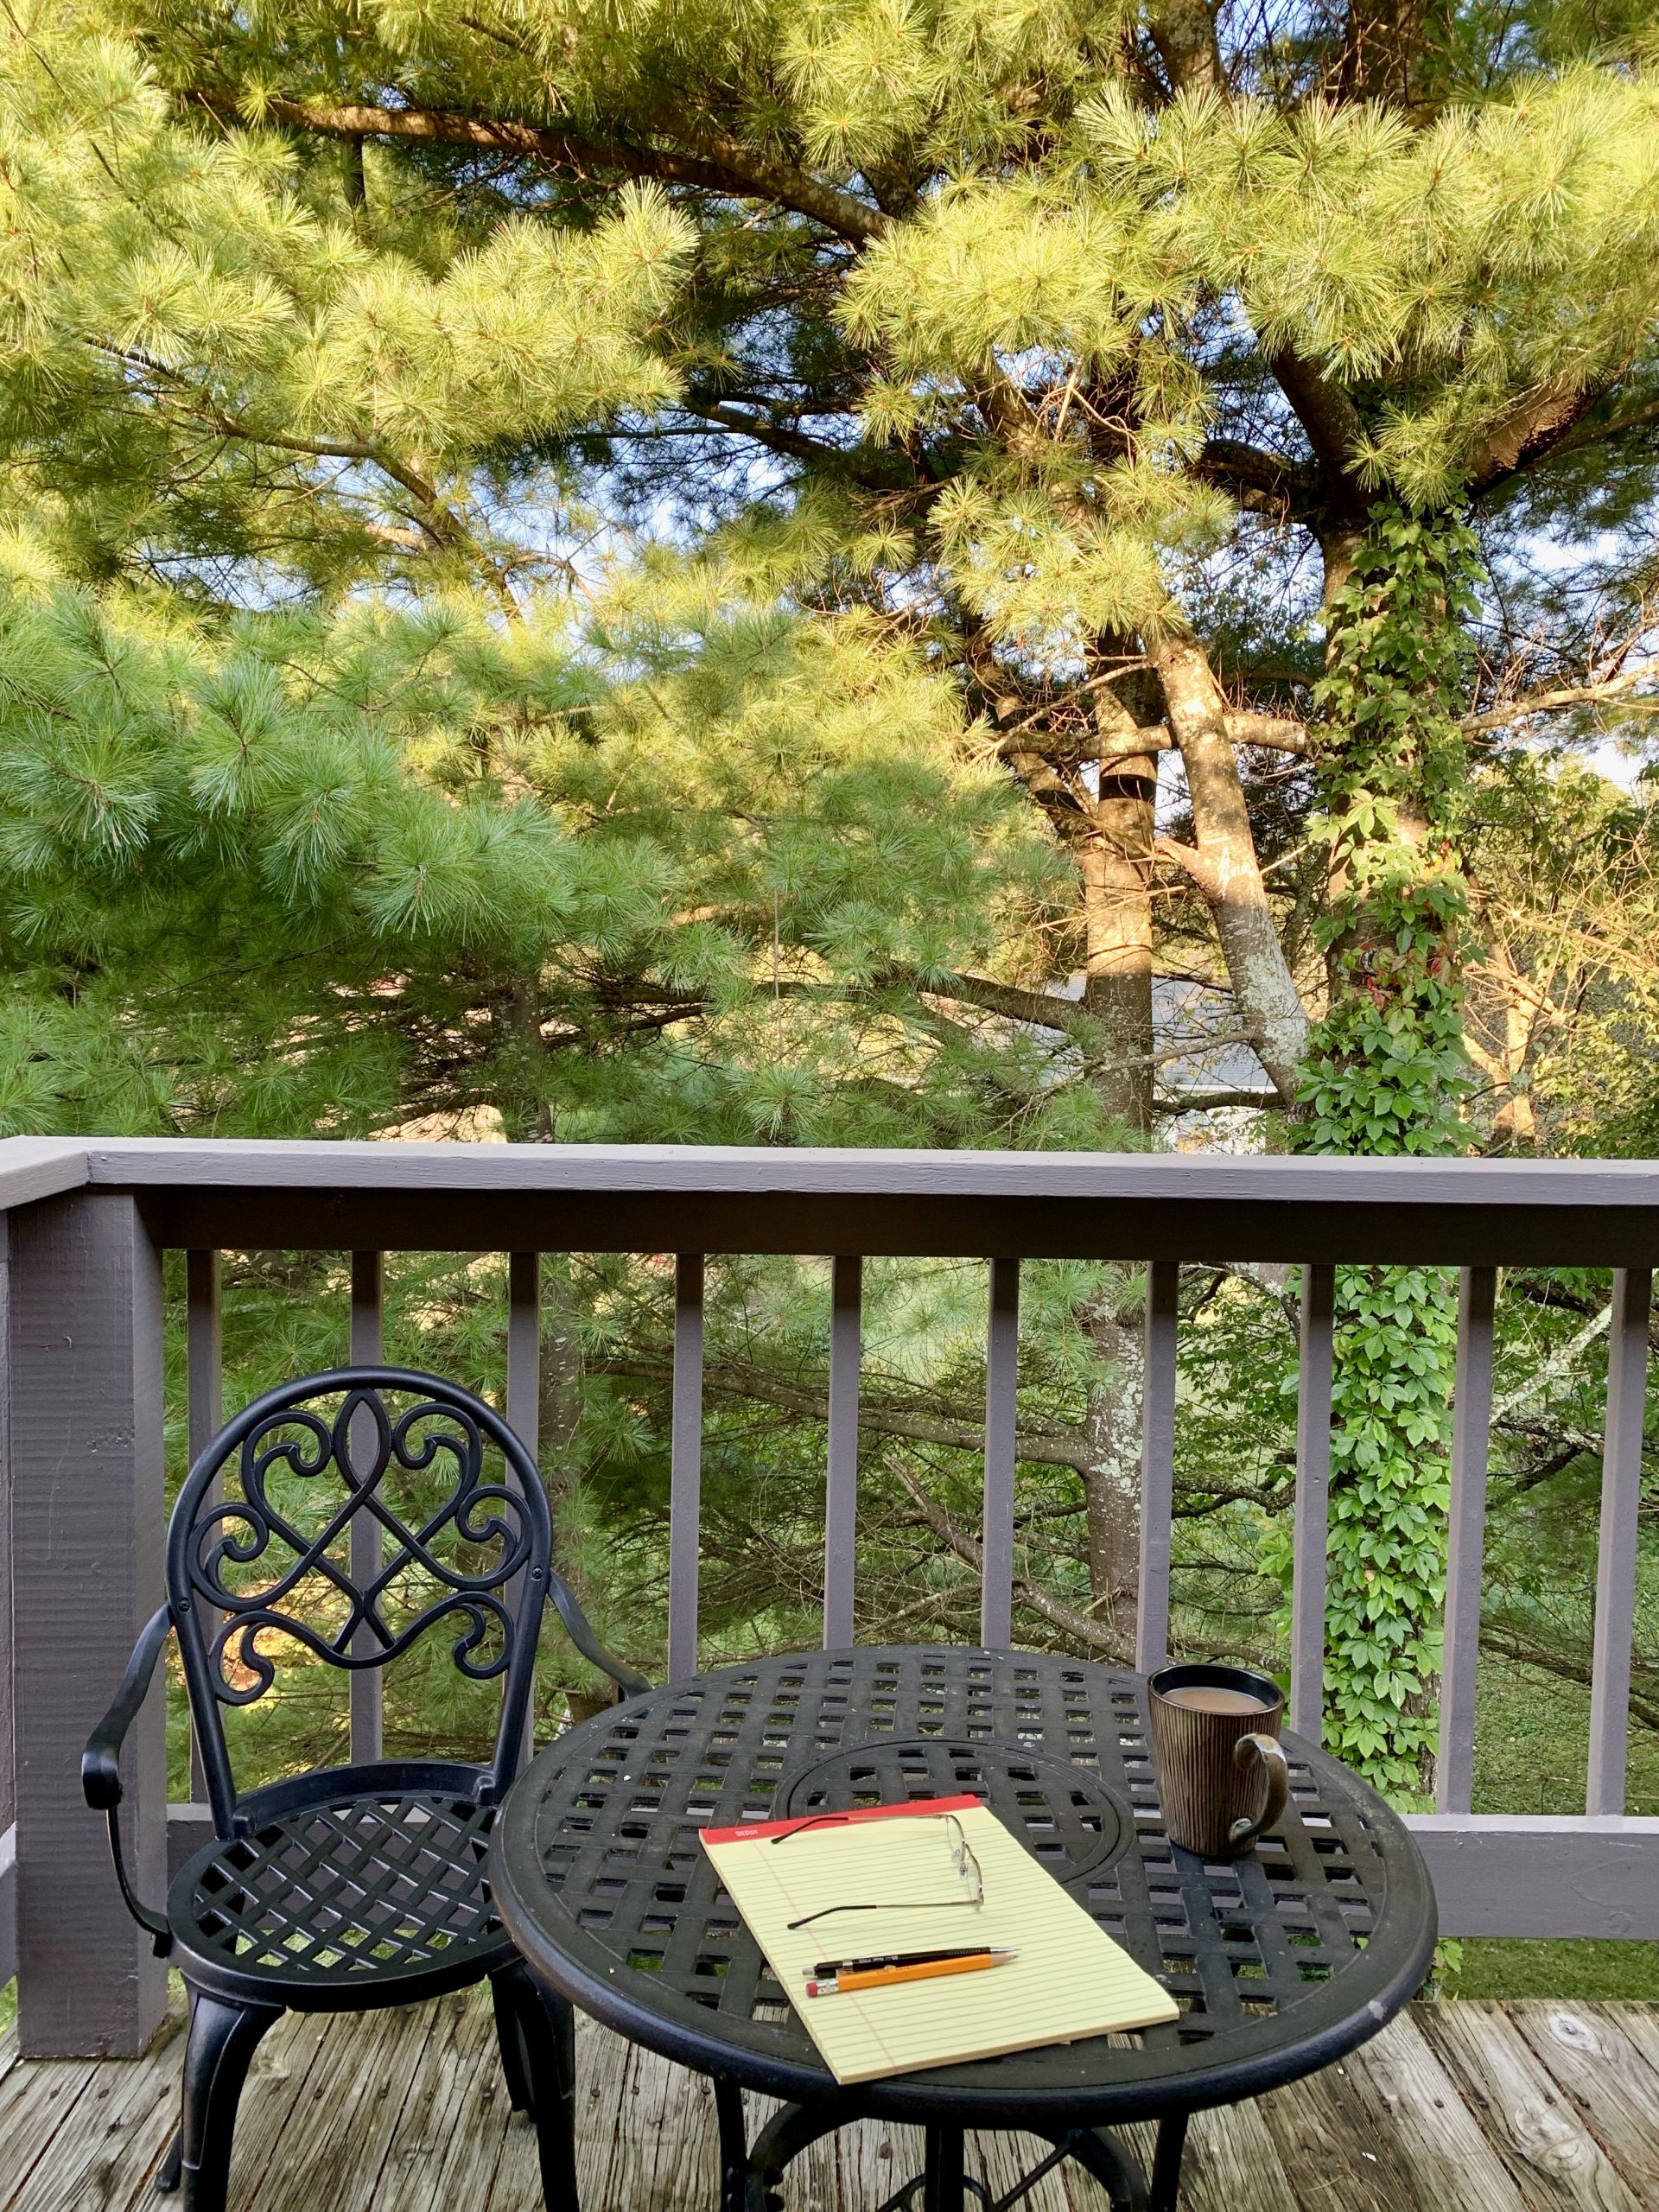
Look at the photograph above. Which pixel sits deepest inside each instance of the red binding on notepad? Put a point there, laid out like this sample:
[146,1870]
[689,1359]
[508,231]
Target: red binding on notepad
[759,1831]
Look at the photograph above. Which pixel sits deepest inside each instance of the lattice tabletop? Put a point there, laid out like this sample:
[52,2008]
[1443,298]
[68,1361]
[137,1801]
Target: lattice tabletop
[1280,1962]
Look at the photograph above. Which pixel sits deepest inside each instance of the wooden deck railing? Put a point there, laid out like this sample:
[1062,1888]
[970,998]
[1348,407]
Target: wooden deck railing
[83,1225]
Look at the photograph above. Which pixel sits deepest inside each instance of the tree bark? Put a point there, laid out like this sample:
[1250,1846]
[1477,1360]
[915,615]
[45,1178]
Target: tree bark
[559,1416]
[1114,1323]
[1184,32]
[1115,858]
[1264,990]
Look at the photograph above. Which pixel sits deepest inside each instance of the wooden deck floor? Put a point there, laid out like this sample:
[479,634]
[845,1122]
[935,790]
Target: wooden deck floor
[1524,2108]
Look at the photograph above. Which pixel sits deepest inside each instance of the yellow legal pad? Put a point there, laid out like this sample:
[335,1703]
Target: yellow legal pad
[1069,1981]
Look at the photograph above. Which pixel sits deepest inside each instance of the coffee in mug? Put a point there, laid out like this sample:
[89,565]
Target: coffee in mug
[1222,1776]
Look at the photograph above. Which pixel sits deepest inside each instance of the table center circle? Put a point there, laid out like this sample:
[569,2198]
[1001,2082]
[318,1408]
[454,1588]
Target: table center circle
[1066,1818]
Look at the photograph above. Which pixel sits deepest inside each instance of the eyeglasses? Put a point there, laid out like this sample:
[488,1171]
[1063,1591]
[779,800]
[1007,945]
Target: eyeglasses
[961,1858]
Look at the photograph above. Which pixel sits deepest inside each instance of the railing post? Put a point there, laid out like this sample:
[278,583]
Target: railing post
[8,1616]
[1472,1415]
[1621,1500]
[84,1343]
[1156,1465]
[1312,1532]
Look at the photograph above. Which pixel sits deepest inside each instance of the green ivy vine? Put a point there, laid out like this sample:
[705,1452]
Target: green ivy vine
[1386,1073]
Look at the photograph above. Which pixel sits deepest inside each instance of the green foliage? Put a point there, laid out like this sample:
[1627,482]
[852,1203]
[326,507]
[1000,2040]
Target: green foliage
[531,532]
[1388,1073]
[614,880]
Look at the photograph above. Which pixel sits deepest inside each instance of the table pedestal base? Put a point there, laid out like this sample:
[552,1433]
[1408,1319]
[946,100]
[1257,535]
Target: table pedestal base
[751,2180]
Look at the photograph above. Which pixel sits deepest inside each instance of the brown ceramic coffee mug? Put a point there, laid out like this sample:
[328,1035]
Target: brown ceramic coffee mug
[1221,1776]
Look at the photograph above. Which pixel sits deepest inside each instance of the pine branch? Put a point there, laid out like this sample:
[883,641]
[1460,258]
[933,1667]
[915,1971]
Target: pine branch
[715,162]
[1048,1447]
[1203,870]
[440,526]
[1274,732]
[1332,424]
[1532,430]
[1594,434]
[1566,696]
[1201,1101]
[1261,482]
[1065,1618]
[1559,1363]
[1550,1656]
[1038,1009]
[777,438]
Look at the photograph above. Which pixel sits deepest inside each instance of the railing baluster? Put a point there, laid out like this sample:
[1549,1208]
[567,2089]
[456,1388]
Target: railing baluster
[368,1350]
[1472,1414]
[685,1467]
[204,1355]
[525,1348]
[1621,1497]
[1156,1465]
[525,1395]
[841,1482]
[1312,1503]
[1002,1376]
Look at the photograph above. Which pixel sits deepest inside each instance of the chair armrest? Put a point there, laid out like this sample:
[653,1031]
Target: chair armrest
[100,1763]
[628,1680]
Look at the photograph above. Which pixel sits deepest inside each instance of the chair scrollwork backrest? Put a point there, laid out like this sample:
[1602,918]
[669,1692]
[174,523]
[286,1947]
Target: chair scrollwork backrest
[260,1546]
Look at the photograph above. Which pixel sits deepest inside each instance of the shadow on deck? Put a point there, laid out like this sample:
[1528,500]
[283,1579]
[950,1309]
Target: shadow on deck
[1457,2108]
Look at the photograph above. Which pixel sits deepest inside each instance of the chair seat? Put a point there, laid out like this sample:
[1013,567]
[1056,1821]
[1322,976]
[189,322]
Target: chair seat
[364,1893]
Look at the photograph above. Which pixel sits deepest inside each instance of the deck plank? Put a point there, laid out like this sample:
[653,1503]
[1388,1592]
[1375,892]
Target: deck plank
[268,2123]
[1449,2110]
[1232,2165]
[1409,2095]
[37,2100]
[663,2142]
[1610,2086]
[449,2134]
[1001,2161]
[342,2122]
[102,2159]
[1639,2022]
[1557,2164]
[1337,2158]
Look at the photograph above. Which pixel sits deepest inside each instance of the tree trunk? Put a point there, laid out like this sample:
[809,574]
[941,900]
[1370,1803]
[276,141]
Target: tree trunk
[559,1413]
[1263,988]
[1114,1322]
[1115,858]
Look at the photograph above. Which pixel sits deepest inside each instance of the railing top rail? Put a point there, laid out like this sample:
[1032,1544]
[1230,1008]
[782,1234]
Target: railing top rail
[39,1167]
[311,1163]
[718,1198]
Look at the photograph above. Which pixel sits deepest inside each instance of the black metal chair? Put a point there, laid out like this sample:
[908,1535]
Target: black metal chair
[357,1886]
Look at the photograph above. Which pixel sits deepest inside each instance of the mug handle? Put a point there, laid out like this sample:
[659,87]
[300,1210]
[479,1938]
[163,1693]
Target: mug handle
[1271,1753]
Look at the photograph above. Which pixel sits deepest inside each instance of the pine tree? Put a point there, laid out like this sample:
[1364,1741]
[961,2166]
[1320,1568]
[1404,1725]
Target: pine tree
[939,401]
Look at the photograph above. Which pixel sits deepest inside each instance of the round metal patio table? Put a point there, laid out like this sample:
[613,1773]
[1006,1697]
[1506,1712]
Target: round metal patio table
[1280,1962]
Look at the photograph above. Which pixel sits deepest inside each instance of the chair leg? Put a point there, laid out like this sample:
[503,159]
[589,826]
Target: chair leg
[222,2038]
[167,2174]
[510,2041]
[545,2036]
